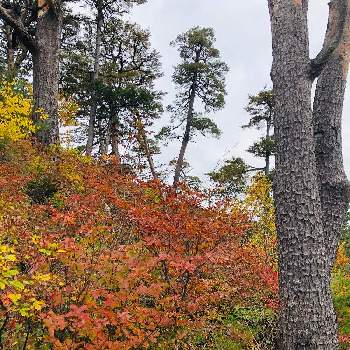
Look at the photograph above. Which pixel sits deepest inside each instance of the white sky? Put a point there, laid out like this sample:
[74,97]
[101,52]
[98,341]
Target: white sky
[243,36]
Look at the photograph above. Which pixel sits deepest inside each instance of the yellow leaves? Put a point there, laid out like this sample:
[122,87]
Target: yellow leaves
[36,239]
[7,254]
[342,260]
[7,270]
[10,257]
[15,286]
[37,304]
[45,251]
[6,249]
[70,174]
[9,274]
[25,309]
[37,165]
[15,111]
[259,205]
[14,297]
[18,285]
[51,249]
[40,277]
[259,196]
[68,110]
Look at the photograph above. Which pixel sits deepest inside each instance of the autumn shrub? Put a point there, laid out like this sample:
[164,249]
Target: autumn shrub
[15,110]
[41,190]
[104,261]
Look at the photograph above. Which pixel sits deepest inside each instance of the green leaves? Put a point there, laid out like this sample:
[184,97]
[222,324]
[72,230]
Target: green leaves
[206,126]
[17,285]
[264,147]
[230,179]
[201,69]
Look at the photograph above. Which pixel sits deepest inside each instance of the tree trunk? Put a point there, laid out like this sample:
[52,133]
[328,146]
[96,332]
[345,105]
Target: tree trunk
[327,120]
[10,54]
[46,76]
[44,48]
[187,135]
[115,143]
[189,119]
[185,140]
[268,153]
[143,142]
[104,138]
[310,188]
[93,108]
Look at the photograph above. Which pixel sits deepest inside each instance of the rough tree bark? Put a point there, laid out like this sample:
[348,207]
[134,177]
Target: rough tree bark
[311,190]
[46,74]
[44,47]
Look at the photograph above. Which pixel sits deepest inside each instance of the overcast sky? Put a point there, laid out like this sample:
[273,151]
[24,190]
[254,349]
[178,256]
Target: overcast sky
[243,37]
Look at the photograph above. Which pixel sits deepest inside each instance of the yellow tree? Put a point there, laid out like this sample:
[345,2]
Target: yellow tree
[16,107]
[259,204]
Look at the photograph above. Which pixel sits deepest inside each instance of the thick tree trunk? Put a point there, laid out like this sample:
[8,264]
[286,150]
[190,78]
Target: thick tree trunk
[310,186]
[327,120]
[93,108]
[44,48]
[46,76]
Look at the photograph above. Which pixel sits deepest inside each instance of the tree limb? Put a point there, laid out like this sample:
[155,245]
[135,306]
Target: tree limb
[338,13]
[19,28]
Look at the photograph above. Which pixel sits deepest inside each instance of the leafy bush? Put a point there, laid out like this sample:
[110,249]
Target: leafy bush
[41,190]
[104,261]
[15,110]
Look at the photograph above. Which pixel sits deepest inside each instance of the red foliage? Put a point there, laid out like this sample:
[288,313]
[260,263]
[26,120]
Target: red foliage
[131,263]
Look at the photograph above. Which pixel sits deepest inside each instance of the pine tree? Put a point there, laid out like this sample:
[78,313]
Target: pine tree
[200,80]
[261,110]
[126,101]
[105,11]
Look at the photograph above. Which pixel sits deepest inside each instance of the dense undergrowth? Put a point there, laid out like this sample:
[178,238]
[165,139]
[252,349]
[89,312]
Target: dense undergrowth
[94,259]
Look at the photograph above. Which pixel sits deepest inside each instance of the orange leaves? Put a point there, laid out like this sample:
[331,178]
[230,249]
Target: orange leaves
[54,322]
[125,263]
